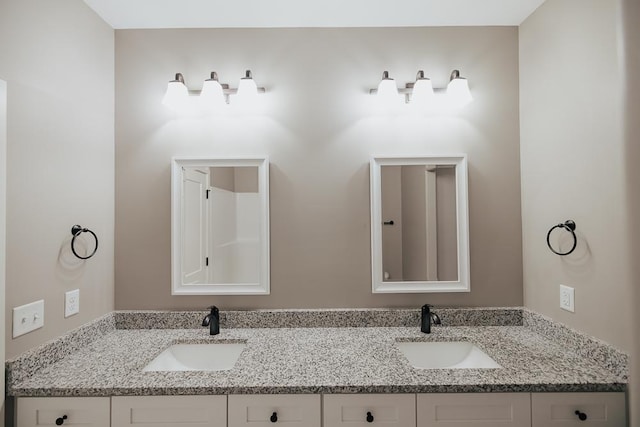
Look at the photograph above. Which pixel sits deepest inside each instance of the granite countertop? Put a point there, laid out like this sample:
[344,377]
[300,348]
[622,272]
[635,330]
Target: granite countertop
[321,360]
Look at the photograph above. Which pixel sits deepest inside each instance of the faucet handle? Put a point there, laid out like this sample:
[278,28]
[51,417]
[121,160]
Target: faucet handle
[436,319]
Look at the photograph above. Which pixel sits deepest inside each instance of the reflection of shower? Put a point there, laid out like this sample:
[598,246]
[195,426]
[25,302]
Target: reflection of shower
[234,222]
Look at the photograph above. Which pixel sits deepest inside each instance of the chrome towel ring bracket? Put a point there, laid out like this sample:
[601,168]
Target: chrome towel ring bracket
[77,230]
[569,226]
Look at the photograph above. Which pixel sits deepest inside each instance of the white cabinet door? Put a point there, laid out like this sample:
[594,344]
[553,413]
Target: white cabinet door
[72,411]
[170,411]
[474,409]
[299,410]
[566,409]
[360,410]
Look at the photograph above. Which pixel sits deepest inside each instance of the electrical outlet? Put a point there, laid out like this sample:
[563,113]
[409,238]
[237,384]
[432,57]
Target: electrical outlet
[28,317]
[567,298]
[71,302]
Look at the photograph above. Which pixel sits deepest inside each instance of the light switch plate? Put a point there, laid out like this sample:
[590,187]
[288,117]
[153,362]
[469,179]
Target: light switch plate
[28,317]
[71,302]
[567,298]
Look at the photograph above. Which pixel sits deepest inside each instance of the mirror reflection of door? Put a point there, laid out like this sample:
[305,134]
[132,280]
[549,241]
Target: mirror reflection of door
[419,231]
[220,226]
[194,228]
[221,229]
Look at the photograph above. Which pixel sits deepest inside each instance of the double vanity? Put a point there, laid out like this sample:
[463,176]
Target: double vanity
[331,367]
[481,367]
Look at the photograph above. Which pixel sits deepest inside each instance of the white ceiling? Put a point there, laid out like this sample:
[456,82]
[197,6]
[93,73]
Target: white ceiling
[121,14]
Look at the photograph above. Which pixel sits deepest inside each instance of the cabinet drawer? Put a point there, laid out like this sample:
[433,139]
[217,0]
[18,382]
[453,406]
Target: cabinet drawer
[559,409]
[79,411]
[174,411]
[353,410]
[474,409]
[270,409]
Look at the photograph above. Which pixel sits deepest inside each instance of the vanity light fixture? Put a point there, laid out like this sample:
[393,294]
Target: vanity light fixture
[247,88]
[213,92]
[422,92]
[176,93]
[387,90]
[458,90]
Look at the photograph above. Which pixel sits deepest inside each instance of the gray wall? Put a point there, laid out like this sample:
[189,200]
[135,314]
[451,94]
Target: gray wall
[3,221]
[57,58]
[236,179]
[572,154]
[391,210]
[630,17]
[414,226]
[319,126]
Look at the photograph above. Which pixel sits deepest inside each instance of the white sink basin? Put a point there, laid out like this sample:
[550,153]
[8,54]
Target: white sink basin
[445,355]
[196,357]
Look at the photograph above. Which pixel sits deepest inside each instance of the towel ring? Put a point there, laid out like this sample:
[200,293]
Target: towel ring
[77,230]
[570,226]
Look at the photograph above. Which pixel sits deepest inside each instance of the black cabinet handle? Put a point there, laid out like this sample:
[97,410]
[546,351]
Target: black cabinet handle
[60,420]
[581,415]
[388,222]
[369,417]
[274,417]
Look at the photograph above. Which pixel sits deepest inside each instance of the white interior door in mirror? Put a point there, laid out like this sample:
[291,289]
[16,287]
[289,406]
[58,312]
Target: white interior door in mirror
[419,224]
[220,226]
[194,226]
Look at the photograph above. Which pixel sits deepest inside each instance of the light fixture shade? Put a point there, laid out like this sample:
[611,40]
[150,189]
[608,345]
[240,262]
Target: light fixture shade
[177,93]
[247,88]
[458,90]
[387,89]
[422,93]
[212,94]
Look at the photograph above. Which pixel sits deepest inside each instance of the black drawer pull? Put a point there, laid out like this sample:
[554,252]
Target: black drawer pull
[60,420]
[274,417]
[581,415]
[369,417]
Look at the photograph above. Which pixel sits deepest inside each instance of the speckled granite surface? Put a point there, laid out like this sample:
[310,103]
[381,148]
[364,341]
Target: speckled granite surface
[320,318]
[584,345]
[51,352]
[321,360]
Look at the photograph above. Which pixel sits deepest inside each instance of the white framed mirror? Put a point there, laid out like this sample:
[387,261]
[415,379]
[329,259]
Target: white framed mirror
[419,224]
[220,226]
